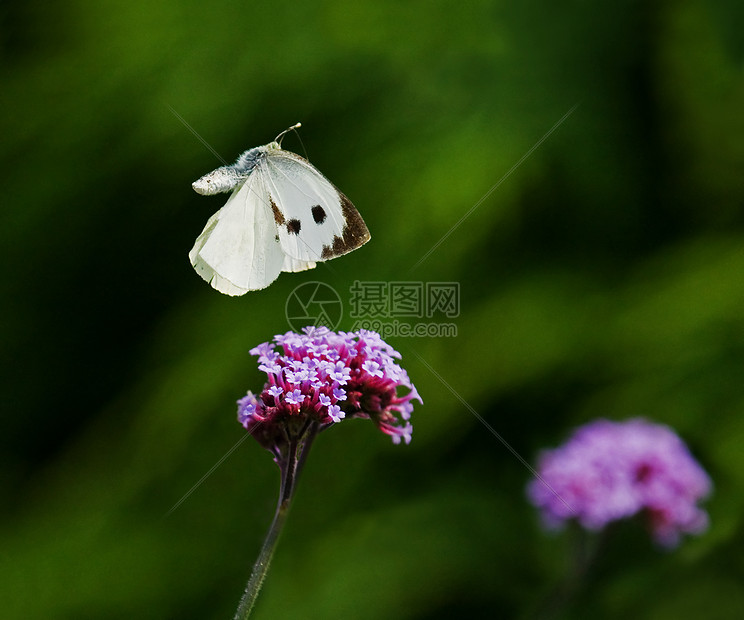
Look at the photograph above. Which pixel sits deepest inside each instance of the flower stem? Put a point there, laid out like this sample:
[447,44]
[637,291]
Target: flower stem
[290,468]
[261,567]
[586,547]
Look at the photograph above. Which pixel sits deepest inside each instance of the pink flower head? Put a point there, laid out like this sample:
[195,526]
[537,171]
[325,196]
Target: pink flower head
[322,377]
[613,470]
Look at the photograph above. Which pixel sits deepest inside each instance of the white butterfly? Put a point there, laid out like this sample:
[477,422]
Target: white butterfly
[282,215]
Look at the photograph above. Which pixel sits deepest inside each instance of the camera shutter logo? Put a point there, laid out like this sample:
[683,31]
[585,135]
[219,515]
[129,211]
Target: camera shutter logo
[314,303]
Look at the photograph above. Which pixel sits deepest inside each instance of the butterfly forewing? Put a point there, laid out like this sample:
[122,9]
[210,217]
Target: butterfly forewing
[315,221]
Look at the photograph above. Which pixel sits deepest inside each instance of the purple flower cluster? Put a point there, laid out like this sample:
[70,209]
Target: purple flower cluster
[323,377]
[613,470]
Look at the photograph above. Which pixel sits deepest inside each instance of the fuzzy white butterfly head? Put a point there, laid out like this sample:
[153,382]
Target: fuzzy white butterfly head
[282,215]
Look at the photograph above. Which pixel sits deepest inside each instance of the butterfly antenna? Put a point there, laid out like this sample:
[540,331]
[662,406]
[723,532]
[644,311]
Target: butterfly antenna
[286,131]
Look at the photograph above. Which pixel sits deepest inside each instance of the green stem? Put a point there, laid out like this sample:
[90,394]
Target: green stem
[290,470]
[261,567]
[586,547]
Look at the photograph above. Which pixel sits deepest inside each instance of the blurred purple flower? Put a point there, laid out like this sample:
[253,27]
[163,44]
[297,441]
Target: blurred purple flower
[613,470]
[319,378]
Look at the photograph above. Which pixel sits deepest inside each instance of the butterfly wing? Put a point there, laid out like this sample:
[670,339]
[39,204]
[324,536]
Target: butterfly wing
[315,221]
[293,265]
[238,250]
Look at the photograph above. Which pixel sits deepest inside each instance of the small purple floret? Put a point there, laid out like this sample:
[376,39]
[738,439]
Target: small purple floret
[295,397]
[373,368]
[336,414]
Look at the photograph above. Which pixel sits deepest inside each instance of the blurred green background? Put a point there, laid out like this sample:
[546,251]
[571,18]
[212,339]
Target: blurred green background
[603,277]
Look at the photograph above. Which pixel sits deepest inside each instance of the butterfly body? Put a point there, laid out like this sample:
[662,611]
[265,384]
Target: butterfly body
[282,215]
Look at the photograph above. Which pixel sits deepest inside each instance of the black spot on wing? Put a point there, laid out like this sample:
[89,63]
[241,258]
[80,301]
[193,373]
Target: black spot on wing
[293,227]
[354,234]
[319,214]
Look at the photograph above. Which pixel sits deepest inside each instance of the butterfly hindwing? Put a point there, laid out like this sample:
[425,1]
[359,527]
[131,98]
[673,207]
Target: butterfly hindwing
[293,265]
[238,250]
[315,221]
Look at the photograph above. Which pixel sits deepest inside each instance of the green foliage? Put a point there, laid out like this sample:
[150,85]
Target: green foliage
[603,277]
